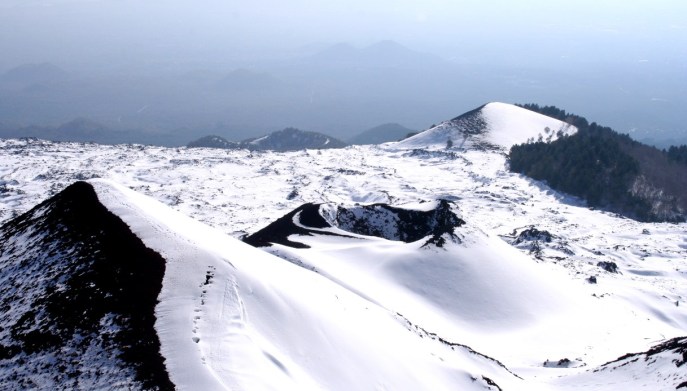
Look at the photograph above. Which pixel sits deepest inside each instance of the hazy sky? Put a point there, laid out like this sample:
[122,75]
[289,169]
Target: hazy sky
[471,30]
[620,62]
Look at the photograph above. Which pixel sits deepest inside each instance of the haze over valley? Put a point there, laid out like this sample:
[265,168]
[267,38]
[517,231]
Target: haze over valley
[167,73]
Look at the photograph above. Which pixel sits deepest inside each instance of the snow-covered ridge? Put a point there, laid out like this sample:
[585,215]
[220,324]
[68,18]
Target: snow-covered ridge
[495,124]
[234,317]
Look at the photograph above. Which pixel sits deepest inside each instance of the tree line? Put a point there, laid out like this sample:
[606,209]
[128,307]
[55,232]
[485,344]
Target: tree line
[607,169]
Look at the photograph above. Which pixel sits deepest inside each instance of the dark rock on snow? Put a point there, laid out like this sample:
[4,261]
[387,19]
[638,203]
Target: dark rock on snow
[296,222]
[610,267]
[78,291]
[393,223]
[378,220]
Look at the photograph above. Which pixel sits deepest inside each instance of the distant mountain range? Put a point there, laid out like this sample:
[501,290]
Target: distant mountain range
[340,89]
[213,142]
[86,130]
[289,139]
[79,130]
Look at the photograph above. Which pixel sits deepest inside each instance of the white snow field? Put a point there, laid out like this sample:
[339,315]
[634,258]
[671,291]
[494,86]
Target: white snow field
[262,323]
[494,308]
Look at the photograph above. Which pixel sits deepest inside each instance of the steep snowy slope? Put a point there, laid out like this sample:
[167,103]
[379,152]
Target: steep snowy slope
[492,125]
[233,317]
[460,283]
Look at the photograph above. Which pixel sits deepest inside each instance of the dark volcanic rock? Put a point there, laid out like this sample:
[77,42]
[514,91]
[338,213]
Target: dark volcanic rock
[471,123]
[539,243]
[610,267]
[393,223]
[676,346]
[78,291]
[307,215]
[532,234]
[378,220]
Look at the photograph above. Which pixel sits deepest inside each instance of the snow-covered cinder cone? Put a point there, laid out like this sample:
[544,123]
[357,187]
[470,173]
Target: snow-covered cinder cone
[495,125]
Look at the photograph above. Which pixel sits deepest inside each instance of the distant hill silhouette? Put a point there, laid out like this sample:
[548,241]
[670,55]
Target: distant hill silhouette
[289,139]
[381,134]
[213,142]
[85,130]
[78,130]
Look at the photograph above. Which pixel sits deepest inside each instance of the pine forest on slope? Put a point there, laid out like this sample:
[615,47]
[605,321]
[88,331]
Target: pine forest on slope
[607,169]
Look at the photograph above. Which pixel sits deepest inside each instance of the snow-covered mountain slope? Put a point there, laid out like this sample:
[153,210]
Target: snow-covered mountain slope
[660,368]
[495,124]
[381,220]
[468,286]
[617,285]
[229,316]
[291,139]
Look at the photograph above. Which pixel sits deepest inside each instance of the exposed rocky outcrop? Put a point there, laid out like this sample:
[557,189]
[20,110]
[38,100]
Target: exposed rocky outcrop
[78,292]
